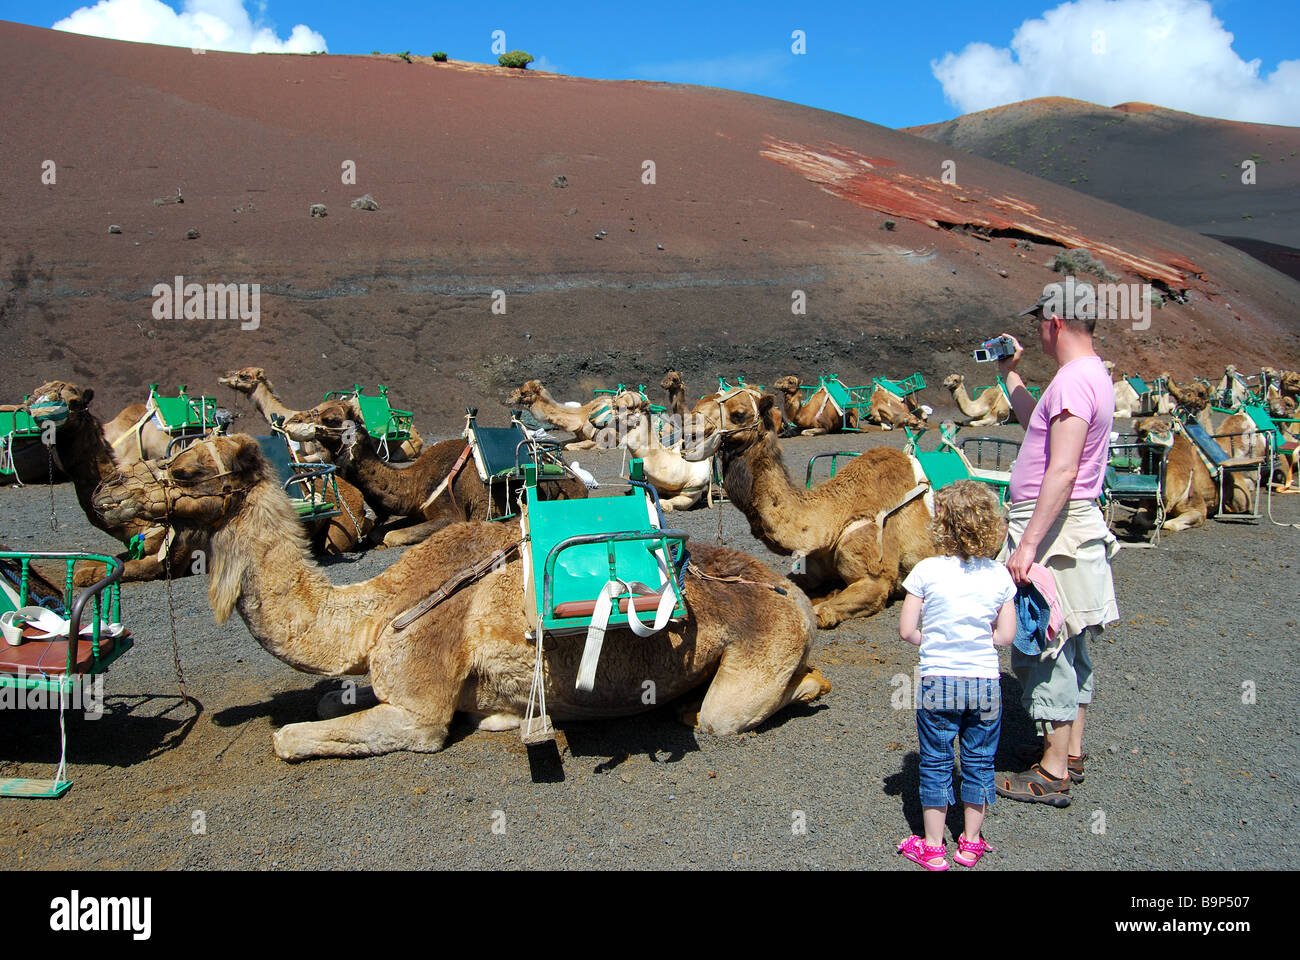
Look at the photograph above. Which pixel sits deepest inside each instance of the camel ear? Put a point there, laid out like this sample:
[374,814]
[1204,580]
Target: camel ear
[87,395]
[247,455]
[765,404]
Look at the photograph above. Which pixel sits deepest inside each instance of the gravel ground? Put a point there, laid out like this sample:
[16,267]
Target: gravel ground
[1183,773]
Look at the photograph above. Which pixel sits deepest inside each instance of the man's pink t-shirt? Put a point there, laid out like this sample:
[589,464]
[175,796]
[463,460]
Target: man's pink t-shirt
[1083,388]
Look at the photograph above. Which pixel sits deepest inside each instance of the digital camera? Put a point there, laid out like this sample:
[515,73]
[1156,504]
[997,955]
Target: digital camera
[995,349]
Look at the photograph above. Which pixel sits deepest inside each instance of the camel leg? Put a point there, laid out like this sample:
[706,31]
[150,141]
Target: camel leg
[862,598]
[366,733]
[406,536]
[1193,516]
[332,704]
[814,431]
[683,501]
[495,721]
[146,568]
[581,445]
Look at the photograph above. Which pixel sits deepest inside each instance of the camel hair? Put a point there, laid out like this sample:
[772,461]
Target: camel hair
[836,527]
[84,452]
[252,382]
[746,643]
[403,492]
[990,409]
[672,382]
[814,416]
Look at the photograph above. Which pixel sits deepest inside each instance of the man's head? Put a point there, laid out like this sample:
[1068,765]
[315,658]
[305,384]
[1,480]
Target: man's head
[1066,316]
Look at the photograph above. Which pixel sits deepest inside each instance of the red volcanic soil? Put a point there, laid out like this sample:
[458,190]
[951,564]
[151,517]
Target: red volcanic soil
[1174,166]
[752,200]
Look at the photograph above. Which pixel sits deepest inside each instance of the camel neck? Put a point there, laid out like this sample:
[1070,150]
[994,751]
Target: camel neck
[86,457]
[757,483]
[260,567]
[264,398]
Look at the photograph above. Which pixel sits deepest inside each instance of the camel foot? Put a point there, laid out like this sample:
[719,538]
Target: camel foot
[688,709]
[383,728]
[493,722]
[812,686]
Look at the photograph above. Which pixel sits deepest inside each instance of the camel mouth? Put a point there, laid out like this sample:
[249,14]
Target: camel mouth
[300,432]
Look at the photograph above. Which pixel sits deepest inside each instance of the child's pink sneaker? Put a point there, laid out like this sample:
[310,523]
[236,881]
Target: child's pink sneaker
[920,852]
[969,851]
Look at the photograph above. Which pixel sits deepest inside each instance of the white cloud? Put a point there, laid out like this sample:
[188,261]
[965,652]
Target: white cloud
[739,69]
[543,63]
[1173,53]
[203,24]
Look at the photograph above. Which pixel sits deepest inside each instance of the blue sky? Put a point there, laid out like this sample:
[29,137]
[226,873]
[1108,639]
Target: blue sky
[883,62]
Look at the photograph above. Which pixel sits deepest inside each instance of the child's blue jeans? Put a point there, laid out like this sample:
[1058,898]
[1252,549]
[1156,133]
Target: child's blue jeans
[950,707]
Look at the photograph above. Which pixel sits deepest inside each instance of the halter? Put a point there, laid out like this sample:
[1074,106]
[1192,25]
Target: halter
[161,473]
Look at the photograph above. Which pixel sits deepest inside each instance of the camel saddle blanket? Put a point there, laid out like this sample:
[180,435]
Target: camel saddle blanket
[452,584]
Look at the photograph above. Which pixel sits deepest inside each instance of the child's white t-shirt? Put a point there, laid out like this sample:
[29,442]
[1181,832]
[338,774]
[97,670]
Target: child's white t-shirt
[959,604]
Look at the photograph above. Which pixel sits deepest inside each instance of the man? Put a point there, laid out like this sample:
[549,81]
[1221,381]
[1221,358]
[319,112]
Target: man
[1054,520]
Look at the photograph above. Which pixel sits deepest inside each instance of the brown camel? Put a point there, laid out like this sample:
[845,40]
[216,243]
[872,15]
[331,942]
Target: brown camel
[132,435]
[990,409]
[814,416]
[584,421]
[859,527]
[84,452]
[746,642]
[406,491]
[1190,492]
[672,382]
[252,382]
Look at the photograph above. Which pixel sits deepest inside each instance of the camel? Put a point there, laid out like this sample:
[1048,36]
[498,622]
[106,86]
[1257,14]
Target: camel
[814,416]
[747,643]
[859,527]
[679,482]
[890,411]
[1231,390]
[990,409]
[252,382]
[672,382]
[1191,495]
[406,491]
[133,435]
[1195,398]
[88,460]
[583,421]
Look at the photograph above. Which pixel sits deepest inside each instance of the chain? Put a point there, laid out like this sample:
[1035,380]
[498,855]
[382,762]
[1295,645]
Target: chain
[171,605]
[54,520]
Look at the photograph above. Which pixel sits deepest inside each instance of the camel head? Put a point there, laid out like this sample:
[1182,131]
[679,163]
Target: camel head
[244,380]
[953,381]
[1154,429]
[738,421]
[672,381]
[200,487]
[57,394]
[333,424]
[1284,407]
[528,394]
[1289,383]
[788,385]
[1194,396]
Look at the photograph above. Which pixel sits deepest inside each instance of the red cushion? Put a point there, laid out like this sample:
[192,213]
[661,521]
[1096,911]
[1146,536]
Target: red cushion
[585,608]
[48,656]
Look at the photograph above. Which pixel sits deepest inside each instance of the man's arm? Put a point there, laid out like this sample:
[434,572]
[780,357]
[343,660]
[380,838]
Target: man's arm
[1066,439]
[1021,402]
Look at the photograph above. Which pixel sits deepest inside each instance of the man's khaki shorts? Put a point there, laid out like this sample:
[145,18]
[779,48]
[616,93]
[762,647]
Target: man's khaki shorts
[1054,689]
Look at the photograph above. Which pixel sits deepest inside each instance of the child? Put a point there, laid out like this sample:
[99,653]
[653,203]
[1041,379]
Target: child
[959,606]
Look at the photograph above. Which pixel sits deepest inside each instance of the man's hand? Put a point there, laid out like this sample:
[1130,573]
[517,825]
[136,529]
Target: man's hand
[1018,563]
[1008,364]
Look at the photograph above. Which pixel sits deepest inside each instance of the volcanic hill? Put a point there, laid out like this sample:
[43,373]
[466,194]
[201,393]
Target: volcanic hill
[528,191]
[1170,165]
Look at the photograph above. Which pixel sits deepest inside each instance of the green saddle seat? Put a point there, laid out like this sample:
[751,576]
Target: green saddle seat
[304,483]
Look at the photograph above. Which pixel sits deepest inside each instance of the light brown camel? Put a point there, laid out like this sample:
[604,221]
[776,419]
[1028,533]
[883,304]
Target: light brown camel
[133,436]
[1194,398]
[252,382]
[990,409]
[890,411]
[406,491]
[748,644]
[584,421]
[850,529]
[680,483]
[814,416]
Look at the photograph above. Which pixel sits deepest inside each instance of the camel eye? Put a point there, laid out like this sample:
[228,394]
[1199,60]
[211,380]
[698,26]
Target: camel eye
[737,416]
[184,474]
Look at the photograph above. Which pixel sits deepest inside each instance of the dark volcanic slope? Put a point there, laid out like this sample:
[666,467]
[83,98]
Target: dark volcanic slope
[753,200]
[1174,166]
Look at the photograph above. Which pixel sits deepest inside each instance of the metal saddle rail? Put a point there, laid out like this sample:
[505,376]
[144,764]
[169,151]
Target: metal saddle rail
[834,458]
[1220,462]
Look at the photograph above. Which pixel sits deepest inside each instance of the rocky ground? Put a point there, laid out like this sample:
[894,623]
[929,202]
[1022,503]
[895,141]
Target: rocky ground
[1183,774]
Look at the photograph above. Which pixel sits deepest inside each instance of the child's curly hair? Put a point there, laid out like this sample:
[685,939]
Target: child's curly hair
[968,521]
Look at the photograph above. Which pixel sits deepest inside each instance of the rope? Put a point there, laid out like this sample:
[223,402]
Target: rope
[54,520]
[695,571]
[171,603]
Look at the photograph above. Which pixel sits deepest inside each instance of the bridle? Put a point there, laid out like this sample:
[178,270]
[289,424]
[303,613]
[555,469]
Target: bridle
[161,473]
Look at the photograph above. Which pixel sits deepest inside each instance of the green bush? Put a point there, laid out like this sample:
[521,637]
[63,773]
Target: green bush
[374,53]
[406,55]
[515,58]
[1080,261]
[440,56]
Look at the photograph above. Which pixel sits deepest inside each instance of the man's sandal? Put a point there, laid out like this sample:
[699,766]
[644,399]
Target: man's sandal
[1035,785]
[1033,753]
[920,852]
[969,851]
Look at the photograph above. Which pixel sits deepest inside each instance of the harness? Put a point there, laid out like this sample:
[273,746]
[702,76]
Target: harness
[452,584]
[449,478]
